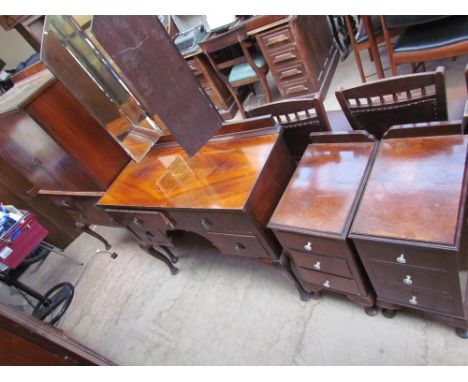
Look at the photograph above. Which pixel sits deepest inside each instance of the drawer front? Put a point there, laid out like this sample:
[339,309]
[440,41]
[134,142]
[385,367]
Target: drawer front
[276,39]
[312,244]
[146,226]
[240,245]
[408,255]
[291,72]
[332,265]
[284,56]
[329,281]
[418,299]
[200,221]
[83,209]
[413,277]
[296,88]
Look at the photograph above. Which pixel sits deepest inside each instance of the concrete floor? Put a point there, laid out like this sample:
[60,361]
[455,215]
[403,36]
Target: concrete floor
[221,310]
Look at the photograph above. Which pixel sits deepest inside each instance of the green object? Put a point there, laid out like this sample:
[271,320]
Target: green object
[243,71]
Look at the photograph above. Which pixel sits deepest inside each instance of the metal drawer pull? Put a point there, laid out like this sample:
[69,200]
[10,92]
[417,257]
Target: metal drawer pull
[206,223]
[326,284]
[407,280]
[65,203]
[413,300]
[308,246]
[401,259]
[239,247]
[296,89]
[137,222]
[290,73]
[317,265]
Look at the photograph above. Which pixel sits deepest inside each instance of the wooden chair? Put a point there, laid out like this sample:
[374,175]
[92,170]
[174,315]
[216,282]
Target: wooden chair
[378,105]
[368,41]
[299,117]
[425,38]
[244,69]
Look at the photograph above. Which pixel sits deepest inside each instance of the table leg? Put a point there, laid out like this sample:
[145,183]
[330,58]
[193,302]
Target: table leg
[160,256]
[85,228]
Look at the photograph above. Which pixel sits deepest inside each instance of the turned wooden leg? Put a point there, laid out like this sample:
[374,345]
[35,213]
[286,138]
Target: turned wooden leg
[305,295]
[389,313]
[158,255]
[371,310]
[174,259]
[85,228]
[462,333]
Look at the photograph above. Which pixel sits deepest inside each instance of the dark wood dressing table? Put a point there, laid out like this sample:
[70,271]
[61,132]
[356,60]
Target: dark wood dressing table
[410,229]
[313,217]
[225,193]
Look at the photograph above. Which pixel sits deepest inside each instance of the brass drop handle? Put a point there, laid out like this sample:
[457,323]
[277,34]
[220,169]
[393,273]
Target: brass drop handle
[308,246]
[239,247]
[317,265]
[326,284]
[413,300]
[407,280]
[401,259]
[206,223]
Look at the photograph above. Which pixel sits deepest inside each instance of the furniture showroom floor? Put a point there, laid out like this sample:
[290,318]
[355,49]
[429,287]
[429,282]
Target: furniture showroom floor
[222,310]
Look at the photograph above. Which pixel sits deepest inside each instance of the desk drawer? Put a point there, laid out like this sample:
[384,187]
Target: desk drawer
[276,38]
[413,277]
[293,72]
[145,225]
[240,245]
[312,244]
[332,265]
[408,255]
[296,88]
[329,281]
[201,221]
[83,209]
[286,55]
[418,299]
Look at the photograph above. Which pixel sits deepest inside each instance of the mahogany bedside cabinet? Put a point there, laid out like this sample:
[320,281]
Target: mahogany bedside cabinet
[226,193]
[410,229]
[315,212]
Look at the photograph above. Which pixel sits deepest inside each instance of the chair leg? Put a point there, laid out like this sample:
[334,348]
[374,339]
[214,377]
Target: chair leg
[370,54]
[239,104]
[359,64]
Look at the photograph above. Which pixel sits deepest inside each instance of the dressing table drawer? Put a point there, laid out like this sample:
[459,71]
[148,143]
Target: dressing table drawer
[327,264]
[240,245]
[310,244]
[328,281]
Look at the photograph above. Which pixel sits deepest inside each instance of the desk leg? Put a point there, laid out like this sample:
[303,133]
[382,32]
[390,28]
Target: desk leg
[160,256]
[85,228]
[174,259]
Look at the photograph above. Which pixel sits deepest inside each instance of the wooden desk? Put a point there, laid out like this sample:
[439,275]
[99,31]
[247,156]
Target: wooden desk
[225,193]
[299,51]
[312,219]
[410,229]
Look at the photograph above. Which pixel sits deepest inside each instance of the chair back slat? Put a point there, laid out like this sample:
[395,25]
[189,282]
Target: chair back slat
[403,99]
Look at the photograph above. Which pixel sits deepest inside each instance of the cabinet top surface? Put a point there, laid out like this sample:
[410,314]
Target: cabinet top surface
[321,193]
[24,91]
[220,176]
[414,190]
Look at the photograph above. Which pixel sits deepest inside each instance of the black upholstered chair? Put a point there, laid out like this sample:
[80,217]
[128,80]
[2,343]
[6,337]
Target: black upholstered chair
[425,38]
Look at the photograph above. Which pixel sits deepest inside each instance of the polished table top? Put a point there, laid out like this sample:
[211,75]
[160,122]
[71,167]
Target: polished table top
[414,190]
[322,191]
[220,176]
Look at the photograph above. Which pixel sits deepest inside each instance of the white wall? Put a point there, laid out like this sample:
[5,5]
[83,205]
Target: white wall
[13,48]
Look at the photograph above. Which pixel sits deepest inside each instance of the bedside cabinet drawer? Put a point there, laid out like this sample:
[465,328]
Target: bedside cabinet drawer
[329,281]
[418,299]
[240,245]
[408,255]
[413,277]
[332,265]
[311,244]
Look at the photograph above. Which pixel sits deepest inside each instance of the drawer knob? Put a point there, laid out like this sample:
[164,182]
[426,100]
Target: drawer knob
[206,223]
[407,280]
[413,300]
[137,222]
[326,284]
[401,259]
[65,203]
[239,247]
[308,246]
[317,265]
